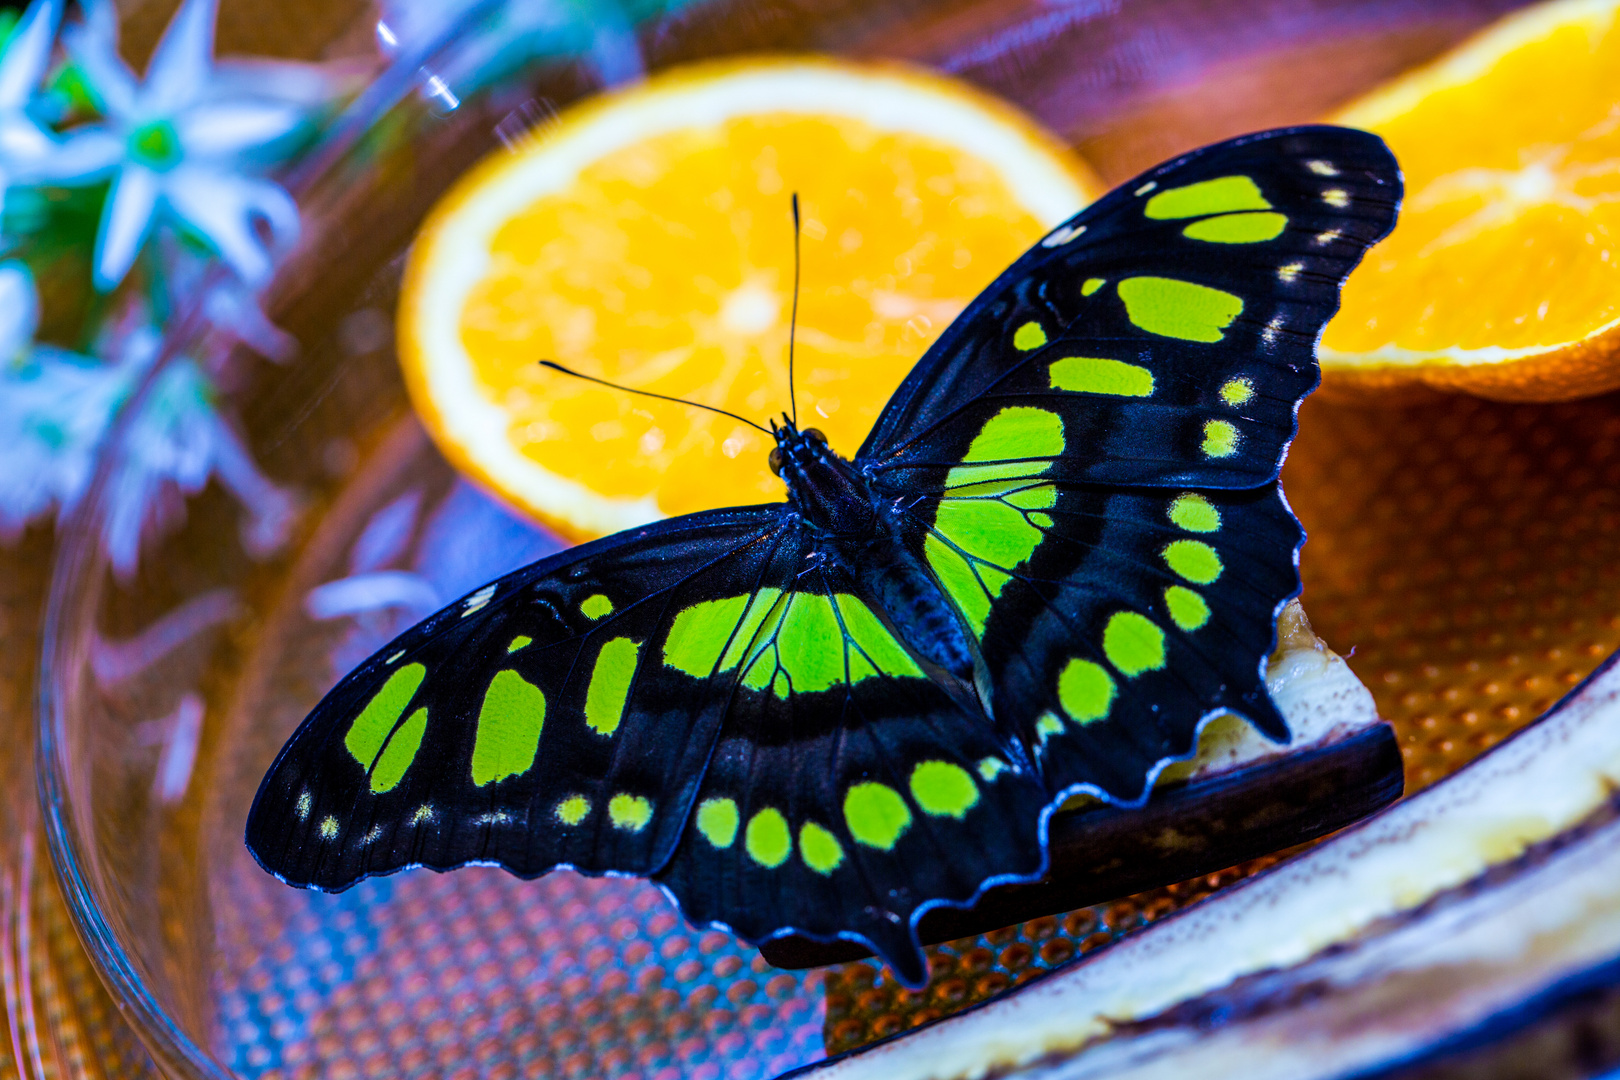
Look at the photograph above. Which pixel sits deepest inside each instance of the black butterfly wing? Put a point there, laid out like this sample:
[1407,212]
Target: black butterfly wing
[1089,455]
[535,723]
[1134,615]
[711,702]
[853,786]
[1170,326]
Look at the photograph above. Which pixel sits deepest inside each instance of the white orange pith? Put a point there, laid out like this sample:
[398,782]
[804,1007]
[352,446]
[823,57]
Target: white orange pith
[647,238]
[1502,276]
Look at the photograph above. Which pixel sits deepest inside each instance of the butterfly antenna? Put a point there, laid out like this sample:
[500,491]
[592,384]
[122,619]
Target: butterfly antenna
[793,321]
[648,393]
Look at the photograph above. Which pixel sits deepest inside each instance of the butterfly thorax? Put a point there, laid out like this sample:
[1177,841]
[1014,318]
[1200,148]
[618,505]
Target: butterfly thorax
[860,533]
[832,496]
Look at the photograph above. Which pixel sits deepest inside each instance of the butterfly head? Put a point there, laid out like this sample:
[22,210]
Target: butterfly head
[824,486]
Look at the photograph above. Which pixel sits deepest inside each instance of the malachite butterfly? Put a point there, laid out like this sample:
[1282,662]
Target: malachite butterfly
[1061,549]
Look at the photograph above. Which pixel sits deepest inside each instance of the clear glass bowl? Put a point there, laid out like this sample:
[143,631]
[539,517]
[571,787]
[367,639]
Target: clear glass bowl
[166,693]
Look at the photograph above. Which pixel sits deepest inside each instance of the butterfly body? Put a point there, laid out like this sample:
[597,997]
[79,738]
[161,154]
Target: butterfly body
[1061,550]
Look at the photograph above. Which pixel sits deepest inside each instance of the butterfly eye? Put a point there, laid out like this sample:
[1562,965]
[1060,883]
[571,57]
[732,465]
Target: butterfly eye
[815,433]
[776,460]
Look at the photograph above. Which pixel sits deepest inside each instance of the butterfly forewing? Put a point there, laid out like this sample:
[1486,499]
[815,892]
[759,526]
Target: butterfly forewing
[1170,327]
[535,723]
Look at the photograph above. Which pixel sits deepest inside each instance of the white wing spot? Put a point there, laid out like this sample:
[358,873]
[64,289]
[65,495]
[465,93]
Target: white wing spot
[1328,237]
[1147,187]
[329,827]
[499,817]
[1322,168]
[396,656]
[424,813]
[479,599]
[373,836]
[1269,334]
[1289,272]
[305,802]
[1337,198]
[1062,236]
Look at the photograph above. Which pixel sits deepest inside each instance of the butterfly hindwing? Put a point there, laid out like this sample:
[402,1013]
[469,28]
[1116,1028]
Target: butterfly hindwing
[844,801]
[1112,621]
[535,723]
[1170,327]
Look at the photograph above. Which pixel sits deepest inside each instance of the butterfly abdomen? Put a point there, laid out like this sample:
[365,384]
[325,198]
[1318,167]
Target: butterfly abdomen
[910,597]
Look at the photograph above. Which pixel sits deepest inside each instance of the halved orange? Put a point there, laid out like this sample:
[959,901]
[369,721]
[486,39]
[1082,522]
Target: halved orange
[647,238]
[1502,277]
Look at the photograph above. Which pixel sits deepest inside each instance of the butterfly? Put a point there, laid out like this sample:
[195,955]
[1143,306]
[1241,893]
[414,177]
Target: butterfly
[1061,549]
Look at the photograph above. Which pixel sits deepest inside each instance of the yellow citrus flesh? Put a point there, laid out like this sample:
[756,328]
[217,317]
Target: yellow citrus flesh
[1502,276]
[647,238]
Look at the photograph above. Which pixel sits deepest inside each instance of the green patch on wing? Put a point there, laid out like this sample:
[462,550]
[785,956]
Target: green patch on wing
[509,723]
[610,685]
[794,642]
[1222,195]
[385,753]
[989,519]
[1179,309]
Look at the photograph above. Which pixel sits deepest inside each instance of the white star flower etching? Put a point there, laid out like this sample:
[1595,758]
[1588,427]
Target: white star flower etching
[190,135]
[28,152]
[54,407]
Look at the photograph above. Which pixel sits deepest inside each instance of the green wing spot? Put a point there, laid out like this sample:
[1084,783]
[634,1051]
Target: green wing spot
[1237,228]
[943,789]
[572,810]
[596,606]
[781,687]
[959,581]
[991,767]
[1018,431]
[820,849]
[1220,438]
[767,839]
[713,635]
[1091,285]
[509,725]
[1179,309]
[399,753]
[610,684]
[873,639]
[717,821]
[1187,608]
[1047,726]
[1195,513]
[370,730]
[876,814]
[1237,392]
[1085,690]
[1194,560]
[1133,643]
[629,812]
[1095,375]
[1222,195]
[1029,336]
[520,642]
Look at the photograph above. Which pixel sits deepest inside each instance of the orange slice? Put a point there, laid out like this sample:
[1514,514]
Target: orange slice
[647,238]
[1502,277]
